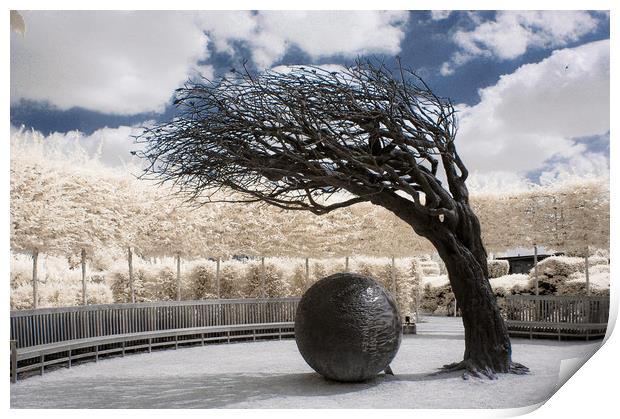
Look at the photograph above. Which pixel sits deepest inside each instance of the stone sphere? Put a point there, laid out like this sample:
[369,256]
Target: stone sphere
[347,327]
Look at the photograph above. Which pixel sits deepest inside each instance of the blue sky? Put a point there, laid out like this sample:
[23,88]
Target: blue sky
[532,87]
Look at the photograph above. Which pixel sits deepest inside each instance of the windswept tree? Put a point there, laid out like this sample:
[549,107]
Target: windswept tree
[314,139]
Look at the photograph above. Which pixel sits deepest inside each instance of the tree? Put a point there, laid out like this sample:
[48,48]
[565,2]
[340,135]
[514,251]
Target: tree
[56,210]
[569,216]
[319,140]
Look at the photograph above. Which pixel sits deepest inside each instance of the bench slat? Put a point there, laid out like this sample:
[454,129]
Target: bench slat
[34,351]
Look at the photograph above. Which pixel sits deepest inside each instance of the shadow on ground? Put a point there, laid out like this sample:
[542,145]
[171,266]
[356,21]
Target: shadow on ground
[200,391]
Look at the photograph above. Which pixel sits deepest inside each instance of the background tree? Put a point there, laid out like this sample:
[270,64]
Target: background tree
[57,210]
[564,217]
[318,140]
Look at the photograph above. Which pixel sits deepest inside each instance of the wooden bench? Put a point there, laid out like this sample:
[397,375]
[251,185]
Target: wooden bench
[120,343]
[553,329]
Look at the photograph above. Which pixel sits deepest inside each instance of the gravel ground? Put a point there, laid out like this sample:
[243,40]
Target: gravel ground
[272,374]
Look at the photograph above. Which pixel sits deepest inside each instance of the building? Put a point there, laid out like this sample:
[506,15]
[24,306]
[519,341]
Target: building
[522,264]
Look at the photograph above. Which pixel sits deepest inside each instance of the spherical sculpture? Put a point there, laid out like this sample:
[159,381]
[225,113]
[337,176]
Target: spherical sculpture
[347,327]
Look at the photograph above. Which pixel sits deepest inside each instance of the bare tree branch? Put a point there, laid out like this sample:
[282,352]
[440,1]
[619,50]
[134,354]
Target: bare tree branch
[288,138]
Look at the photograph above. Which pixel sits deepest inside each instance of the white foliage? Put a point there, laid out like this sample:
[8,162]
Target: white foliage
[599,277]
[509,281]
[435,281]
[566,265]
[64,200]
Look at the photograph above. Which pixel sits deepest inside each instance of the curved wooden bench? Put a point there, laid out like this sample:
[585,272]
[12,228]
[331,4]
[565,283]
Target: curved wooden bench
[557,316]
[92,347]
[556,329]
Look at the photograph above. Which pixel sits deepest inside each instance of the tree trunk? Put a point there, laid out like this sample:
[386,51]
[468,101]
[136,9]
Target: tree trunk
[130,262]
[587,271]
[217,276]
[536,269]
[393,276]
[262,278]
[459,244]
[178,276]
[35,279]
[487,345]
[83,254]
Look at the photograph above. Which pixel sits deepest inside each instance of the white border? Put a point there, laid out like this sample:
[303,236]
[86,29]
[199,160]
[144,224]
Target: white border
[592,392]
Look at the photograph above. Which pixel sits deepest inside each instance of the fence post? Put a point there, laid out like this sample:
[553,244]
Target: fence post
[393,274]
[262,277]
[13,361]
[417,302]
[35,279]
[217,276]
[179,276]
[307,271]
[346,264]
[455,307]
[84,299]
[587,272]
[130,262]
[536,267]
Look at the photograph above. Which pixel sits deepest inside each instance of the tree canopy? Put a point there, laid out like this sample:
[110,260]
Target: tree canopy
[60,208]
[294,138]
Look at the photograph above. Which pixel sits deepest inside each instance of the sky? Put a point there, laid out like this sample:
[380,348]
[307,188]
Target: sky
[532,88]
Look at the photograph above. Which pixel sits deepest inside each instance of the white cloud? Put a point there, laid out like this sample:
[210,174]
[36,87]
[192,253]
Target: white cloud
[536,113]
[112,62]
[512,33]
[440,14]
[325,33]
[130,62]
[586,165]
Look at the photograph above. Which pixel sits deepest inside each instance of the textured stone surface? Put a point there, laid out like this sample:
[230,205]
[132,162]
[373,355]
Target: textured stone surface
[347,327]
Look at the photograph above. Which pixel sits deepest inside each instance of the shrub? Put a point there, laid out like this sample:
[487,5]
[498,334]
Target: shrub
[559,266]
[435,298]
[498,268]
[160,286]
[97,293]
[274,284]
[121,291]
[202,280]
[230,282]
[508,281]
[318,271]
[299,284]
[21,297]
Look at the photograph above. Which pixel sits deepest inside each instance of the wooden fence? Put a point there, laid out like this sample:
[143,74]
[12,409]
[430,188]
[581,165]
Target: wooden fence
[557,316]
[50,325]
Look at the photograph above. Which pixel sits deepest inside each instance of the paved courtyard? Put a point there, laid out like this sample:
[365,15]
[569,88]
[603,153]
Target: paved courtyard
[272,374]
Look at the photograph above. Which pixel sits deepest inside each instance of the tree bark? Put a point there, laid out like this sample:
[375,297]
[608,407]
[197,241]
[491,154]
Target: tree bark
[487,344]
